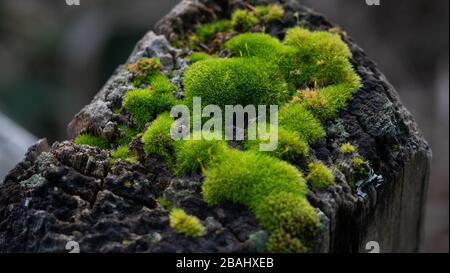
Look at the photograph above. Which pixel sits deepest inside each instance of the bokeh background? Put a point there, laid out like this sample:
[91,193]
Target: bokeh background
[55,57]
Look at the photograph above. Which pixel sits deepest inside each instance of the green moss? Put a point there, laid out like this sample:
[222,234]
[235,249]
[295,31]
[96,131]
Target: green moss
[290,212]
[185,224]
[347,148]
[91,140]
[295,117]
[319,176]
[145,104]
[143,70]
[282,242]
[161,85]
[270,13]
[122,153]
[157,139]
[254,45]
[290,147]
[198,155]
[165,203]
[360,165]
[320,58]
[248,177]
[244,81]
[198,57]
[243,20]
[208,31]
[193,42]
[127,135]
[312,58]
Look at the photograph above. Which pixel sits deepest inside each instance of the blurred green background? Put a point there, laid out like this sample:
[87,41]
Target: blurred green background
[55,57]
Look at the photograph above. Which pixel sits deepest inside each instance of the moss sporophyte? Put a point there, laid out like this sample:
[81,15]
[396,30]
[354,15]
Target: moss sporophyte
[272,97]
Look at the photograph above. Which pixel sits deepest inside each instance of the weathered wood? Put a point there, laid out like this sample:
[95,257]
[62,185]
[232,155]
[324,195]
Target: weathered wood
[389,209]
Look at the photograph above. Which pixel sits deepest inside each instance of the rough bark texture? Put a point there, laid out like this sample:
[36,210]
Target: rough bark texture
[67,192]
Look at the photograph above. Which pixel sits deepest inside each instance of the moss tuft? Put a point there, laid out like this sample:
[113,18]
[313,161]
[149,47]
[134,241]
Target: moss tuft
[127,135]
[254,45]
[161,85]
[122,153]
[290,147]
[282,242]
[320,58]
[144,69]
[198,57]
[319,177]
[295,117]
[165,203]
[359,165]
[207,32]
[248,177]
[243,20]
[145,104]
[290,212]
[91,140]
[270,13]
[235,81]
[197,155]
[185,224]
[157,139]
[347,148]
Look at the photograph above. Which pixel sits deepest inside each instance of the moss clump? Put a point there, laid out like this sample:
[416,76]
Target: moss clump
[282,242]
[122,153]
[290,147]
[144,69]
[207,32]
[161,85]
[248,177]
[91,140]
[198,57]
[254,45]
[347,148]
[244,81]
[319,177]
[311,58]
[269,13]
[359,165]
[295,117]
[165,203]
[157,139]
[320,58]
[144,104]
[185,224]
[127,134]
[290,212]
[243,20]
[197,155]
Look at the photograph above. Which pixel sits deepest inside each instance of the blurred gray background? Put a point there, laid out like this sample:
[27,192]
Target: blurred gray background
[54,58]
